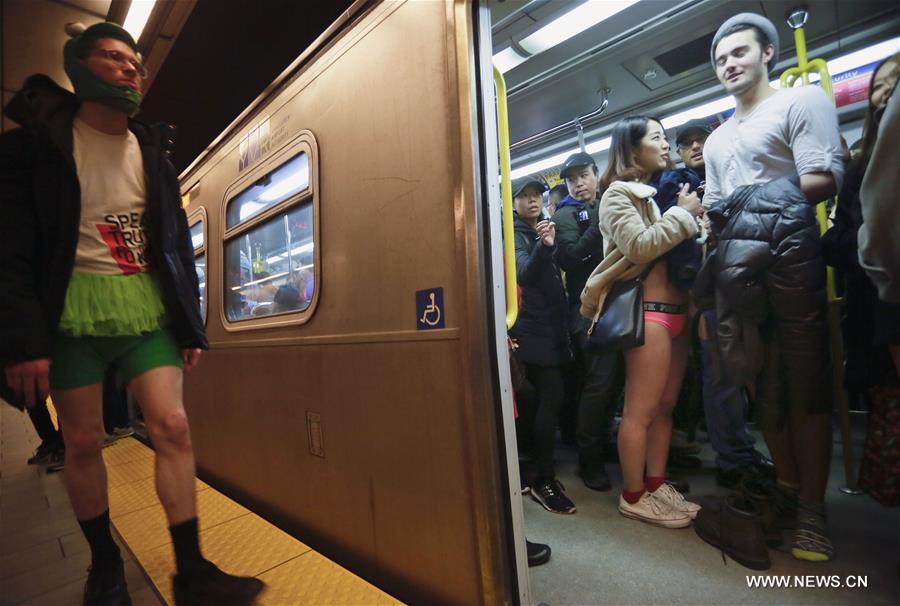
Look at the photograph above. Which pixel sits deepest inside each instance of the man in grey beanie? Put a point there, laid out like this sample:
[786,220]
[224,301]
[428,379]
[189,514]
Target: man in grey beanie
[762,29]
[775,134]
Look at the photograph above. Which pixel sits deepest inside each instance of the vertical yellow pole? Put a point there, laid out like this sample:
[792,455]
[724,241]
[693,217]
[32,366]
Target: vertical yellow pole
[788,79]
[509,247]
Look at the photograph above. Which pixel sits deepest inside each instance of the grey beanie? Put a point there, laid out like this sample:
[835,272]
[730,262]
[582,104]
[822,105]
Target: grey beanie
[765,26]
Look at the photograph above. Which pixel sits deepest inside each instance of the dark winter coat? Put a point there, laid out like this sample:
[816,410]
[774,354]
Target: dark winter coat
[868,324]
[39,216]
[579,244]
[542,326]
[767,276]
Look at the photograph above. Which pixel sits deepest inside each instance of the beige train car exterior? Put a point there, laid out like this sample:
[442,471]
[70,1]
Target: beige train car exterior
[375,442]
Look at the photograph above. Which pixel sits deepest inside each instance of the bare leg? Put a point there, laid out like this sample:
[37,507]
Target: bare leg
[646,376]
[81,417]
[781,447]
[659,434]
[159,392]
[812,451]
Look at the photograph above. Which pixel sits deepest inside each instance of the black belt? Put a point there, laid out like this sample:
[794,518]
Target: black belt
[666,308]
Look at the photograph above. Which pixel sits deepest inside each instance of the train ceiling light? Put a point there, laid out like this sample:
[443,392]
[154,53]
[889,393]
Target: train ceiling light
[565,26]
[138,14]
[837,66]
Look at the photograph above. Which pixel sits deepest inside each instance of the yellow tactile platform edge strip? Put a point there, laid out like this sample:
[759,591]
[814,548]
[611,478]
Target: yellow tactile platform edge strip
[232,536]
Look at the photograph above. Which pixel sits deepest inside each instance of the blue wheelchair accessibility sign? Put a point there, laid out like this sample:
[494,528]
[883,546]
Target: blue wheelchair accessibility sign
[430,309]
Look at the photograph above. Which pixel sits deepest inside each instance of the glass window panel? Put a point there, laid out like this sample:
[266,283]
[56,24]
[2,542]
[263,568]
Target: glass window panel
[269,269]
[200,263]
[197,234]
[277,186]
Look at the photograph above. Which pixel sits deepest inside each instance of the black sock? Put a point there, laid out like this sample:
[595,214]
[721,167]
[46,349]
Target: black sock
[186,539]
[96,531]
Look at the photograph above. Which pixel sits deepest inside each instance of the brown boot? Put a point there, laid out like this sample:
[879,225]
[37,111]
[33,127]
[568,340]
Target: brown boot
[736,530]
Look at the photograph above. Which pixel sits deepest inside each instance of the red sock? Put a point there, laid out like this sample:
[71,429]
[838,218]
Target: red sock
[632,497]
[652,483]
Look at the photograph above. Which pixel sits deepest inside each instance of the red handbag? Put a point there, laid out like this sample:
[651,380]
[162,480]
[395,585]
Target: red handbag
[879,474]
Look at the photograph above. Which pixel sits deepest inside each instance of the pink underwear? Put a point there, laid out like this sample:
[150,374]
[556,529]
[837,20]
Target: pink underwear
[674,323]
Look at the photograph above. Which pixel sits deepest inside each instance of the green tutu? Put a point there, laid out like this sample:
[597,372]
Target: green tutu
[99,305]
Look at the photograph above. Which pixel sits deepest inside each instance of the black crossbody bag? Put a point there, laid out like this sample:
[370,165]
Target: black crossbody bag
[620,324]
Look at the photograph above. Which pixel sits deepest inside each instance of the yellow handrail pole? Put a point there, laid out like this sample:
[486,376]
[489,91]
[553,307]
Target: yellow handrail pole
[509,246]
[788,79]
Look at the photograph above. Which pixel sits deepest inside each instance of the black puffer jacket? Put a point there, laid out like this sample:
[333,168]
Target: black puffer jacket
[39,215]
[767,277]
[542,326]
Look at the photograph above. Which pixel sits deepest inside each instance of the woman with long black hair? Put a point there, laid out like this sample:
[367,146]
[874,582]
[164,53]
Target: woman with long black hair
[635,237]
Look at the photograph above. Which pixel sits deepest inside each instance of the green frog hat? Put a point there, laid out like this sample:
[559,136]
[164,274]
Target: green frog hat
[89,86]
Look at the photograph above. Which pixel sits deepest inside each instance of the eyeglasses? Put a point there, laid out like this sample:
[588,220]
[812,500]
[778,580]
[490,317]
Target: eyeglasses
[124,61]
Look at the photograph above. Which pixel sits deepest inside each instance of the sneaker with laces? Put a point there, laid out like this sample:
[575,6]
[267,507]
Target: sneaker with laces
[676,500]
[43,452]
[105,585]
[116,434]
[553,497]
[654,511]
[210,585]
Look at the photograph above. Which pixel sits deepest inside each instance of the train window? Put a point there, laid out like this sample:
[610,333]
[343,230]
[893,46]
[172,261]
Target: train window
[269,268]
[270,248]
[197,222]
[289,179]
[200,263]
[197,235]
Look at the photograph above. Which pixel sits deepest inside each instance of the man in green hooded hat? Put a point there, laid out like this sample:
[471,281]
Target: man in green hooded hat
[98,269]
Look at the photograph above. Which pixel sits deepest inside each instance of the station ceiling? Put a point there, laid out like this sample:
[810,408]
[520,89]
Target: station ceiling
[208,59]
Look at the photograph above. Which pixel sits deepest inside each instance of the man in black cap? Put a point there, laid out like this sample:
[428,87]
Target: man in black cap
[690,138]
[83,181]
[580,247]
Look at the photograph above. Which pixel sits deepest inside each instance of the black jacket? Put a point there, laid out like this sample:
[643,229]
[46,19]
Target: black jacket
[542,326]
[767,277]
[579,242]
[684,260]
[39,216]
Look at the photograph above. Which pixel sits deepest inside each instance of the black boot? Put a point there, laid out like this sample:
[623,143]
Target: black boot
[735,529]
[105,585]
[209,585]
[594,475]
[538,553]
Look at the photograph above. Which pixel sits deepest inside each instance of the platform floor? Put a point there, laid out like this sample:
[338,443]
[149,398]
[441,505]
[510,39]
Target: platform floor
[44,557]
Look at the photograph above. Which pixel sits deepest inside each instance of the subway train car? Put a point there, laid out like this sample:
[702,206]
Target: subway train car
[348,234]
[353,389]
